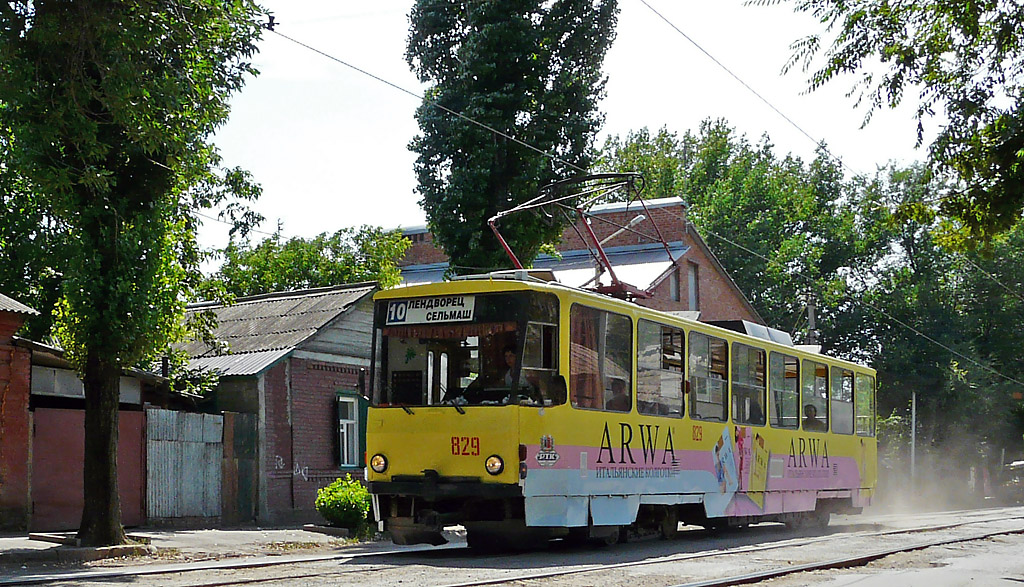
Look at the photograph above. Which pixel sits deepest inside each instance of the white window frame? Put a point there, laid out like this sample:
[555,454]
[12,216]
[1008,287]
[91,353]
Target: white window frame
[348,433]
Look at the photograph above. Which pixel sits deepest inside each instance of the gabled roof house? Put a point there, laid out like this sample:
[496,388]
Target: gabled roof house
[291,361]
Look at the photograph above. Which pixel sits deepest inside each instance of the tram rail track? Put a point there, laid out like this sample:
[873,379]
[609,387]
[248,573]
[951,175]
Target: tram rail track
[833,563]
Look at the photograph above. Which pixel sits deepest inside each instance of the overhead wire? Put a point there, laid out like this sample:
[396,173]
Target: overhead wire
[818,142]
[433,103]
[573,166]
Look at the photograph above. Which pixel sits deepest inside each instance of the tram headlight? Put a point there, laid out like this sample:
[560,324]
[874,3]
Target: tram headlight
[494,465]
[379,463]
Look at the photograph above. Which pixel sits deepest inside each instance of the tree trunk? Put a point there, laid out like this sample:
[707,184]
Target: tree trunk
[101,514]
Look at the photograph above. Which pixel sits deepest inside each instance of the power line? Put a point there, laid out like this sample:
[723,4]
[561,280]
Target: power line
[229,223]
[1012,292]
[434,103]
[817,142]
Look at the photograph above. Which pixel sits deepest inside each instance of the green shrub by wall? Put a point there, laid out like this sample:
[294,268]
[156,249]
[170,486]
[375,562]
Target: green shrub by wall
[344,503]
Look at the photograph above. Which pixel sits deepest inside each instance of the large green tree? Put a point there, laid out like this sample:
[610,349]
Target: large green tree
[111,105]
[530,69]
[962,62]
[347,256]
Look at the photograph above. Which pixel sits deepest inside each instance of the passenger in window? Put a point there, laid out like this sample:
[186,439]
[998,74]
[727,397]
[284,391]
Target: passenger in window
[510,362]
[811,421]
[620,401]
[756,413]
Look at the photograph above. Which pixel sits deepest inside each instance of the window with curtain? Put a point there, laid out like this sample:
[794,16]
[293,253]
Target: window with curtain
[600,359]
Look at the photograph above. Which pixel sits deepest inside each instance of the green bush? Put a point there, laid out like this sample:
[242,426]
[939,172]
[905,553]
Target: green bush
[344,503]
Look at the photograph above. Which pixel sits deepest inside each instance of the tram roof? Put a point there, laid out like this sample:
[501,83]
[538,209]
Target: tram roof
[739,330]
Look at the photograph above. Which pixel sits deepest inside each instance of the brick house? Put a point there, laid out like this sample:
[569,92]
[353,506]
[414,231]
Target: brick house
[692,281]
[15,443]
[293,361]
[42,432]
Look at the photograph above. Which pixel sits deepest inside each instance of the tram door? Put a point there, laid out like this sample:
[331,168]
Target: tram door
[438,360]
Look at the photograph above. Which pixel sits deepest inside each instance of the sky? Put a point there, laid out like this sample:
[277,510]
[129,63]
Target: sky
[329,144]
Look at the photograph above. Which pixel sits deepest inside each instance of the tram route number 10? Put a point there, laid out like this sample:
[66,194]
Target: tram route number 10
[467,446]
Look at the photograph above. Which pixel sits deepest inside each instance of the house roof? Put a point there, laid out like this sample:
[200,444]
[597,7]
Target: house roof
[9,305]
[637,265]
[260,330]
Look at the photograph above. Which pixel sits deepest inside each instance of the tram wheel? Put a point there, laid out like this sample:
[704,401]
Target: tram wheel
[484,541]
[669,526]
[820,520]
[609,538]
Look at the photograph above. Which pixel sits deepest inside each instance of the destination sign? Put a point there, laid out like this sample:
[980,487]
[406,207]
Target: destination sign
[431,310]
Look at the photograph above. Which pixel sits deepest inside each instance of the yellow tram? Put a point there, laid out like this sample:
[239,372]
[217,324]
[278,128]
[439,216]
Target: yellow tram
[525,410]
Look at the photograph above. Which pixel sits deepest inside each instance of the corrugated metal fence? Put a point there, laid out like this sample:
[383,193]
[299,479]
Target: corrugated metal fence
[183,464]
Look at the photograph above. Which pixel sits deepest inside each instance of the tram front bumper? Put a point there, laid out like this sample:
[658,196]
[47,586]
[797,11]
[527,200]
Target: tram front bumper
[415,509]
[432,489]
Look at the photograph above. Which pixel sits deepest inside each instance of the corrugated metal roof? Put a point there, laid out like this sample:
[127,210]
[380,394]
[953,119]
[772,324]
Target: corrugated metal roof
[259,330]
[9,305]
[243,364]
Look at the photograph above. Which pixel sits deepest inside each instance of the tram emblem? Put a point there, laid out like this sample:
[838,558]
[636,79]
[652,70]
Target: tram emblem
[547,456]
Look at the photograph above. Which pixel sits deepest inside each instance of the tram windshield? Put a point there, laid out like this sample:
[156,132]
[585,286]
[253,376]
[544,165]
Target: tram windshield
[468,349]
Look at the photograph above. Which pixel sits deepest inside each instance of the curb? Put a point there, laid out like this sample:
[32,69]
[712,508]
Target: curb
[328,530]
[74,554]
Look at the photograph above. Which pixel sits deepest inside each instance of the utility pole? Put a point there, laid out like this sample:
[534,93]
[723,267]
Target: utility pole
[812,328]
[913,437]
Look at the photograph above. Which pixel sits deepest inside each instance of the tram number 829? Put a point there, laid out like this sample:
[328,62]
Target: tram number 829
[467,446]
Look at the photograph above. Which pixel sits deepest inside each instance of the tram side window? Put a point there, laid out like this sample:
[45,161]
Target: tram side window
[540,362]
[600,359]
[864,404]
[814,396]
[709,368]
[783,391]
[748,385]
[842,400]
[659,369]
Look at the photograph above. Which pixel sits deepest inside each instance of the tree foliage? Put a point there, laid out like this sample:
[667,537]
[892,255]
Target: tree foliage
[964,62]
[110,106]
[527,68]
[776,223]
[30,242]
[347,256]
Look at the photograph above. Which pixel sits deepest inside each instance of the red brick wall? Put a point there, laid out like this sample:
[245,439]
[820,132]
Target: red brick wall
[716,297]
[15,382]
[277,459]
[302,453]
[422,251]
[314,384]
